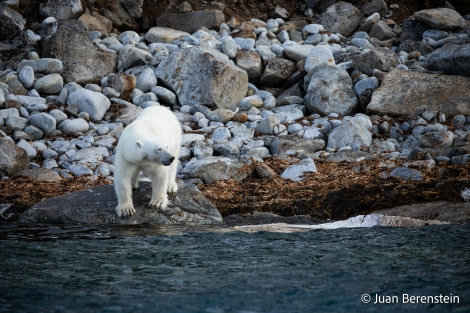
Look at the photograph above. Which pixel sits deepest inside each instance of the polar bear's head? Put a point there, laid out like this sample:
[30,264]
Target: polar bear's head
[151,150]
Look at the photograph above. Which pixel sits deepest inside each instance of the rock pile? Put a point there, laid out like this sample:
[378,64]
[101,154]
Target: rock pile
[345,84]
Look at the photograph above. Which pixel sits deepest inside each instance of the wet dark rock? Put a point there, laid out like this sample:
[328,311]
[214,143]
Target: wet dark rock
[11,22]
[450,59]
[96,206]
[439,210]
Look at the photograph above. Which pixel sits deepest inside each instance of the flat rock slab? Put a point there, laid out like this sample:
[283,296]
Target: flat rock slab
[410,93]
[96,206]
[440,210]
[359,221]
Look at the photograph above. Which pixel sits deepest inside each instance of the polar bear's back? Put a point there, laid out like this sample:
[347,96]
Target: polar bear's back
[163,120]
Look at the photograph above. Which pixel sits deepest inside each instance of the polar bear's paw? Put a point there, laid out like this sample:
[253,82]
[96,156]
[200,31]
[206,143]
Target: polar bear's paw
[172,187]
[159,203]
[125,210]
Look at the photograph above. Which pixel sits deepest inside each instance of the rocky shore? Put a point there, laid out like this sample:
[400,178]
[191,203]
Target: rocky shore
[337,112]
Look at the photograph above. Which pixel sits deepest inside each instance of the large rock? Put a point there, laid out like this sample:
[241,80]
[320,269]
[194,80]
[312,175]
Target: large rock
[296,172]
[44,122]
[450,59]
[211,169]
[192,21]
[410,93]
[44,65]
[12,159]
[250,61]
[441,18]
[330,91]
[11,22]
[341,17]
[164,34]
[202,76]
[130,56]
[379,58]
[83,62]
[281,144]
[96,206]
[277,70]
[353,132]
[94,103]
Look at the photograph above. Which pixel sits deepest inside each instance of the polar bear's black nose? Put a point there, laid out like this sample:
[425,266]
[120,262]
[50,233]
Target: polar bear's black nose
[169,161]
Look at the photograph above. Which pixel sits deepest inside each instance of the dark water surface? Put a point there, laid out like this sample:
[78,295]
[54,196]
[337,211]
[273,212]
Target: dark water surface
[172,269]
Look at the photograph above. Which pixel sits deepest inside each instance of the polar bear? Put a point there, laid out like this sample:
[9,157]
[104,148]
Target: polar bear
[150,144]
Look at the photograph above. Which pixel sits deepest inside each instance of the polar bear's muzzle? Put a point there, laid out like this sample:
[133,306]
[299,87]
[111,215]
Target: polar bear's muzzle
[168,161]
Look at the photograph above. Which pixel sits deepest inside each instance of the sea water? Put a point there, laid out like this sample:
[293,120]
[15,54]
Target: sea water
[215,269]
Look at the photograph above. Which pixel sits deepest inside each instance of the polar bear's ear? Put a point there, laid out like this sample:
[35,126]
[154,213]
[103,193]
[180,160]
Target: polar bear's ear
[139,144]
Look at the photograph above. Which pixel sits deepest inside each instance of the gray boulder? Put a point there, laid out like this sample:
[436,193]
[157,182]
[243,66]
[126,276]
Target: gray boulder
[49,84]
[341,17]
[319,55]
[164,35]
[43,65]
[450,59]
[277,70]
[211,169]
[441,18]
[297,52]
[424,92]
[44,122]
[353,132]
[74,126]
[192,21]
[83,62]
[406,173]
[26,76]
[94,103]
[382,31]
[281,144]
[379,58]
[250,61]
[297,171]
[365,88]
[437,139]
[12,159]
[203,76]
[146,80]
[96,206]
[330,91]
[130,56]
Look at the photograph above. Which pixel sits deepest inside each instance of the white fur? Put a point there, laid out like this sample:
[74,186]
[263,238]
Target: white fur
[150,144]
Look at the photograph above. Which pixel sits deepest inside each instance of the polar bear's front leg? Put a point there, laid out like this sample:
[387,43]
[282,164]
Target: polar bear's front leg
[172,185]
[159,178]
[123,188]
